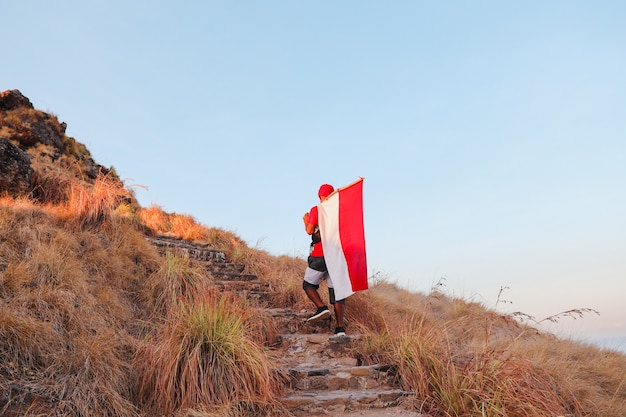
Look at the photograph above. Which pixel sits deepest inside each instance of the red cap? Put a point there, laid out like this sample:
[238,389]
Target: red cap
[325,190]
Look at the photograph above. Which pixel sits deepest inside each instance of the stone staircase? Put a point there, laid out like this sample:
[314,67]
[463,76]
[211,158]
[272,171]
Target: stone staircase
[320,376]
[226,275]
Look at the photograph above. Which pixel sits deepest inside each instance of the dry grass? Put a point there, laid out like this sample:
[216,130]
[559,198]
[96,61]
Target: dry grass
[124,332]
[88,205]
[176,279]
[79,359]
[186,227]
[85,280]
[283,273]
[462,359]
[205,354]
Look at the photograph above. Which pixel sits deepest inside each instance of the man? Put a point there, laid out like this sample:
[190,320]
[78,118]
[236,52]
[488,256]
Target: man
[316,270]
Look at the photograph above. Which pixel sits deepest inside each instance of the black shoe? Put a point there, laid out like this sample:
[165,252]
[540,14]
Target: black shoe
[340,331]
[319,314]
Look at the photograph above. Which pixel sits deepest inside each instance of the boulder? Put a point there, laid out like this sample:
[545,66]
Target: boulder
[16,173]
[27,126]
[12,99]
[43,128]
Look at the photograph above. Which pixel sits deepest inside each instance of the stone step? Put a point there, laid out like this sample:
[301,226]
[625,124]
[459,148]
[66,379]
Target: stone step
[199,252]
[289,321]
[226,267]
[324,349]
[226,275]
[257,298]
[243,285]
[260,298]
[340,378]
[339,401]
[213,261]
[327,340]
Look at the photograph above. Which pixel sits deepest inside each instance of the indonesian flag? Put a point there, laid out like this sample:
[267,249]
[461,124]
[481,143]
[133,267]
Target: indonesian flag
[343,239]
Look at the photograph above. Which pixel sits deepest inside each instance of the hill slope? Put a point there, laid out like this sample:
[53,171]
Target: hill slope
[108,308]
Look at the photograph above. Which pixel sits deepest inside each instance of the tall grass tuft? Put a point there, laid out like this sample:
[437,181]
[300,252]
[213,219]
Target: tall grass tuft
[204,355]
[176,279]
[186,227]
[156,219]
[89,205]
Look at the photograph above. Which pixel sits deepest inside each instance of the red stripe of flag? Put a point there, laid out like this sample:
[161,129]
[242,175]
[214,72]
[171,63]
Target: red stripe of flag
[352,233]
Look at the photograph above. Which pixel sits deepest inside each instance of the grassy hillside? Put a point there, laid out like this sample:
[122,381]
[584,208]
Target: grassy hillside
[93,321]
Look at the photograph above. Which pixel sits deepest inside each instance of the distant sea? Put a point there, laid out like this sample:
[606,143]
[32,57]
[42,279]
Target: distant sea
[568,331]
[615,343]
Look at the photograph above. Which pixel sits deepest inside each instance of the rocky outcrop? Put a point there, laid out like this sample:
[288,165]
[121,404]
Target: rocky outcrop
[28,127]
[16,173]
[12,99]
[33,144]
[40,127]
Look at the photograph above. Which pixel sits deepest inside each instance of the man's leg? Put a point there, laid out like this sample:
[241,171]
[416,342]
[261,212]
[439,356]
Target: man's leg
[339,313]
[310,285]
[339,309]
[314,296]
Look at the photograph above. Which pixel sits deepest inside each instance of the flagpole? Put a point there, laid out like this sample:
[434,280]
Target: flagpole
[346,186]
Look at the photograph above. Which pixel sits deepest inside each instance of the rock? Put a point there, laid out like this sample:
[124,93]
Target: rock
[38,127]
[29,128]
[13,99]
[16,173]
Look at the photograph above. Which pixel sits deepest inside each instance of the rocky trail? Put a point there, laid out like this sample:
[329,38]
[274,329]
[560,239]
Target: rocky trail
[320,376]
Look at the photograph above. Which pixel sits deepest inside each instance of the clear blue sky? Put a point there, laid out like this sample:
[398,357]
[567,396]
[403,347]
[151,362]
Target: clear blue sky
[491,135]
